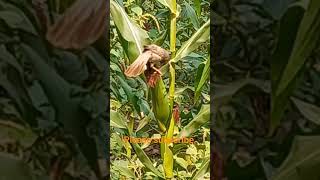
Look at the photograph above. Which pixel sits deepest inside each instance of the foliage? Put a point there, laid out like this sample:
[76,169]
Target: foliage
[266,94]
[142,108]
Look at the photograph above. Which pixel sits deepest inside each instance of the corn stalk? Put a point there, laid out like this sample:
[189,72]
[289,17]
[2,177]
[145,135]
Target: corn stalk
[168,156]
[162,103]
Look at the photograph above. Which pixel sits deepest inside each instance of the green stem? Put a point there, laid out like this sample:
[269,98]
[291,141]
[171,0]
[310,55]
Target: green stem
[173,31]
[167,153]
[173,28]
[172,85]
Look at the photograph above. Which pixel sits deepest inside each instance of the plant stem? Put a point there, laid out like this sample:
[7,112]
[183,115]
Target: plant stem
[173,28]
[167,153]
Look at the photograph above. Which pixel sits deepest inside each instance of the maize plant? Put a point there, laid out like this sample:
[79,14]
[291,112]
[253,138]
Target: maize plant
[145,97]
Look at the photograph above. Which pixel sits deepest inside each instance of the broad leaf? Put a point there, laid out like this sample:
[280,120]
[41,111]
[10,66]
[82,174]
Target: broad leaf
[68,109]
[197,6]
[14,168]
[205,72]
[276,8]
[203,169]
[306,41]
[15,18]
[125,171]
[224,93]
[289,26]
[191,14]
[310,111]
[201,36]
[183,163]
[116,120]
[17,132]
[145,160]
[167,3]
[303,161]
[199,120]
[132,36]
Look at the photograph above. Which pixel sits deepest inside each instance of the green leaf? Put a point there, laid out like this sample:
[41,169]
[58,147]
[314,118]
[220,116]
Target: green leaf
[16,19]
[203,169]
[9,58]
[276,8]
[125,171]
[205,72]
[306,41]
[14,168]
[130,94]
[201,36]
[199,120]
[180,91]
[59,92]
[133,37]
[289,26]
[179,147]
[162,37]
[191,14]
[55,86]
[137,10]
[116,120]
[303,157]
[12,81]
[197,6]
[224,93]
[310,111]
[11,130]
[166,3]
[145,160]
[183,163]
[199,74]
[97,58]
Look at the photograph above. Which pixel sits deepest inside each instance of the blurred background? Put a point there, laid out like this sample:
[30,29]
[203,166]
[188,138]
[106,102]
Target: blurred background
[265,89]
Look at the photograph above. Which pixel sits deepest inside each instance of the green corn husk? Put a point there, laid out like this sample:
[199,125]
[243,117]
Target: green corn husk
[160,104]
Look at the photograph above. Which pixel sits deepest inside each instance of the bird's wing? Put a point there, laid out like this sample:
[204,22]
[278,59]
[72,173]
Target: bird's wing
[81,25]
[139,65]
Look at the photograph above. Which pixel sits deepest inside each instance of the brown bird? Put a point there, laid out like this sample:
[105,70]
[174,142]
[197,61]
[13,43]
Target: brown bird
[152,58]
[80,25]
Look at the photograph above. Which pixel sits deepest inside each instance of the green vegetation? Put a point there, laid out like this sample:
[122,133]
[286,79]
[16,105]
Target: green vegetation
[178,105]
[266,89]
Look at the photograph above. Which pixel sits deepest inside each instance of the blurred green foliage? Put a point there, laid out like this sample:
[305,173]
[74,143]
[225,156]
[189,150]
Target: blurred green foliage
[266,97]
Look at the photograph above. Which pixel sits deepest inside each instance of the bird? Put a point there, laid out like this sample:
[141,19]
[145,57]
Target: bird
[81,25]
[152,58]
